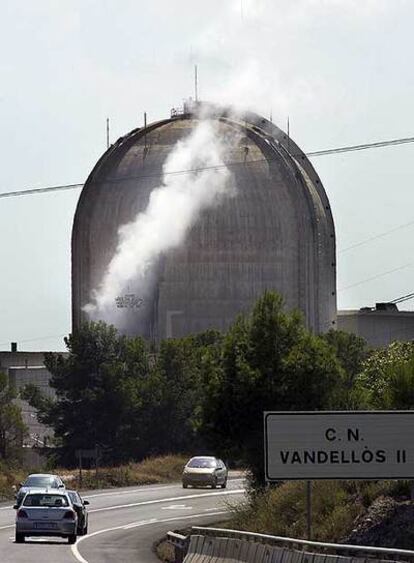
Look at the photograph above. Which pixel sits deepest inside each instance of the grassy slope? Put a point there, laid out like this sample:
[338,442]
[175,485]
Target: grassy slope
[335,505]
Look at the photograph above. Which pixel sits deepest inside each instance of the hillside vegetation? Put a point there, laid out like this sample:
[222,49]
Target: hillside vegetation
[337,506]
[163,469]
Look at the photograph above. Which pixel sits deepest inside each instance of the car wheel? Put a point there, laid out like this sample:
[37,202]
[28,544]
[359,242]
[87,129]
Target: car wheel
[19,538]
[85,530]
[72,538]
[214,485]
[224,485]
[185,485]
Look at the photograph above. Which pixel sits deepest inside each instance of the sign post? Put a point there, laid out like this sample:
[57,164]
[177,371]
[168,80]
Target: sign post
[309,508]
[87,454]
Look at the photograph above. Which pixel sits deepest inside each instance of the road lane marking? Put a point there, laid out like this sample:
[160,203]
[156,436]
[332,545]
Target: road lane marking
[141,489]
[5,527]
[78,556]
[172,499]
[142,523]
[177,507]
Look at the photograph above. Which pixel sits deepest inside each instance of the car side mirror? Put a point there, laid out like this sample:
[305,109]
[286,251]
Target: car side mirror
[61,486]
[20,484]
[15,507]
[86,502]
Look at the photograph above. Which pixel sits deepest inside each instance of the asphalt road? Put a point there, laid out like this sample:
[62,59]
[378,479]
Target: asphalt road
[123,524]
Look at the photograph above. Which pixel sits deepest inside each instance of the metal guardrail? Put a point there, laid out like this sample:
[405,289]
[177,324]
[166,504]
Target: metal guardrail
[265,538]
[181,544]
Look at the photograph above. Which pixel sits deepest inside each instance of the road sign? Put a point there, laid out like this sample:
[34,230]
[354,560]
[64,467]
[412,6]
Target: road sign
[339,445]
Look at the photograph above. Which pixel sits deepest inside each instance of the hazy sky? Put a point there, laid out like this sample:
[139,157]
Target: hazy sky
[340,69]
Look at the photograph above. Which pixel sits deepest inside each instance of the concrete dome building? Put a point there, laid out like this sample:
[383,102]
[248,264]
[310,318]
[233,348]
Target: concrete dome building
[277,232]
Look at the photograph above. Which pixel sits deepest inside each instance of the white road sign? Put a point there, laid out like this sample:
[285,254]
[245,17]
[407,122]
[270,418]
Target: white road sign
[339,445]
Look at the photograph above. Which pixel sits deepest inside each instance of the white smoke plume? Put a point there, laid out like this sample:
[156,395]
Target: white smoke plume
[173,208]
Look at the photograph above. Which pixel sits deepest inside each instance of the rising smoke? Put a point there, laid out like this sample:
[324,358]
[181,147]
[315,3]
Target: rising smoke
[173,208]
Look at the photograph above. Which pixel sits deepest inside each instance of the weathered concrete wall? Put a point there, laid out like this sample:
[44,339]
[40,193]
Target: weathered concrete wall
[379,328]
[277,233]
[23,368]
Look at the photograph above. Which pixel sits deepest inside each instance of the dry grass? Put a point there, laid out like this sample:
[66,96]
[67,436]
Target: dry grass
[8,478]
[282,511]
[335,506]
[165,551]
[148,472]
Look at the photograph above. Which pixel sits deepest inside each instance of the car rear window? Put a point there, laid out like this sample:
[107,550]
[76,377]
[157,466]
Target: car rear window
[45,500]
[41,482]
[202,463]
[74,497]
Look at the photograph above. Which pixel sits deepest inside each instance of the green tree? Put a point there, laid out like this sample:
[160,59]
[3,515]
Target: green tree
[98,393]
[269,362]
[351,350]
[176,380]
[383,371]
[399,390]
[12,428]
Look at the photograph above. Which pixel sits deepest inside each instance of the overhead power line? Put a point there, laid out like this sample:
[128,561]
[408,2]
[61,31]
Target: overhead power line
[24,341]
[382,274]
[338,150]
[41,190]
[403,298]
[351,148]
[375,237]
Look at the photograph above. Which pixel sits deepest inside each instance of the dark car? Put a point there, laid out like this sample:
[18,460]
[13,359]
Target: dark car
[79,505]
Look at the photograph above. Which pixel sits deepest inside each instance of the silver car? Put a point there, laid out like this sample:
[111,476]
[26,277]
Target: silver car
[205,470]
[39,481]
[46,513]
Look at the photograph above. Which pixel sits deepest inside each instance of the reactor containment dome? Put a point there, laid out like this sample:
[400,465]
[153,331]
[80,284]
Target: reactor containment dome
[276,233]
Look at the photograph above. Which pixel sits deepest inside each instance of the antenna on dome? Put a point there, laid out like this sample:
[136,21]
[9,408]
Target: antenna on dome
[288,134]
[145,134]
[107,132]
[196,83]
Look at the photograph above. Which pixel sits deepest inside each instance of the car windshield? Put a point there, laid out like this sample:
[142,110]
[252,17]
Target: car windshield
[45,500]
[41,481]
[201,462]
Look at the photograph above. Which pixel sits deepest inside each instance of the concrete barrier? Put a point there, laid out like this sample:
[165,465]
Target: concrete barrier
[228,550]
[212,545]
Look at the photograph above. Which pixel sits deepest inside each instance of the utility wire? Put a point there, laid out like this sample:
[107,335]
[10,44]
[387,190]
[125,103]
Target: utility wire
[382,274]
[338,150]
[351,148]
[33,339]
[41,190]
[403,298]
[375,237]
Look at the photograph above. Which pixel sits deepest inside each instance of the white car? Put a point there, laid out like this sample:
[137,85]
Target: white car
[39,481]
[205,470]
[46,513]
